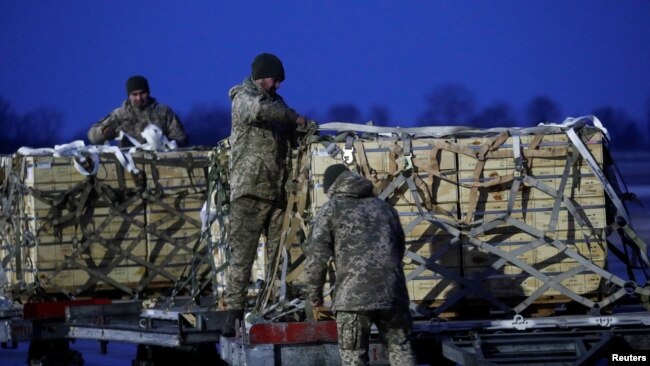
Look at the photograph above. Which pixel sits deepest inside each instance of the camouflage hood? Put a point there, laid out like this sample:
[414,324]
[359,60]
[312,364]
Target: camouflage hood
[364,235]
[238,88]
[350,184]
[247,85]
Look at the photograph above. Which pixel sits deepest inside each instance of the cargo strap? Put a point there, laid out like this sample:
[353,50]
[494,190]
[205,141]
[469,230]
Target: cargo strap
[494,144]
[191,244]
[75,259]
[404,164]
[519,177]
[293,225]
[512,256]
[620,208]
[216,193]
[548,281]
[9,224]
[76,202]
[570,125]
[362,163]
[403,168]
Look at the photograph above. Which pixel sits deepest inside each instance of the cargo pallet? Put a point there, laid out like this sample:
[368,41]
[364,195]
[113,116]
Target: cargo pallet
[452,261]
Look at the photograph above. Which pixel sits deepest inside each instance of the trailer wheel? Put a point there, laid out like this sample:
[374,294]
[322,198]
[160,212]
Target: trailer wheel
[53,353]
[39,350]
[9,345]
[204,354]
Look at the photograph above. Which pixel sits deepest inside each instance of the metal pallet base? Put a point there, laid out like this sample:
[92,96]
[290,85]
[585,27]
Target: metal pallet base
[557,348]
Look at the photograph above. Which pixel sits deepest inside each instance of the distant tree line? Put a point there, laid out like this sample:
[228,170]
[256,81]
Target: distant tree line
[446,105]
[35,128]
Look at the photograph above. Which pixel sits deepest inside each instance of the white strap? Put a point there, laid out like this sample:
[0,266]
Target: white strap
[124,158]
[122,135]
[571,122]
[30,151]
[156,140]
[79,152]
[442,131]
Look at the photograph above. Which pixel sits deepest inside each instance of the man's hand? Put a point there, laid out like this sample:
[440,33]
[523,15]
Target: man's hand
[301,121]
[308,125]
[316,302]
[109,132]
[312,124]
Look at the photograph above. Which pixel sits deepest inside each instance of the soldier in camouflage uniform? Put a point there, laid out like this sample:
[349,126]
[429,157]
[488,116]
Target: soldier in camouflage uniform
[364,236]
[263,127]
[139,110]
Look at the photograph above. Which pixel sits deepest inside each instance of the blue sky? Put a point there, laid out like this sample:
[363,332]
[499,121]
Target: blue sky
[76,55]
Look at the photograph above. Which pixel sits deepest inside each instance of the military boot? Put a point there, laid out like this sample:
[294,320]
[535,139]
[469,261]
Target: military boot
[234,317]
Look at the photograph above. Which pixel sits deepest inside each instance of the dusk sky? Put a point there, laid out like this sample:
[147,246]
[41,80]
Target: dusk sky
[75,56]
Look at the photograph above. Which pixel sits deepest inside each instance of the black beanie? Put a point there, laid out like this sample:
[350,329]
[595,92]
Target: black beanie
[266,65]
[331,173]
[137,82]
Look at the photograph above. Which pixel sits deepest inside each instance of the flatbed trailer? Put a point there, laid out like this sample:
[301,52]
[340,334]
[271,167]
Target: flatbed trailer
[558,340]
[193,334]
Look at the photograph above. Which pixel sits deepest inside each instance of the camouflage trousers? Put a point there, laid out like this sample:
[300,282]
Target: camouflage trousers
[249,218]
[354,335]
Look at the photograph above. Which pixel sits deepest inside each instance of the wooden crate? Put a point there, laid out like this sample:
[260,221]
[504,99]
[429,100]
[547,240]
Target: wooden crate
[73,256]
[557,146]
[108,239]
[384,160]
[531,207]
[174,171]
[178,180]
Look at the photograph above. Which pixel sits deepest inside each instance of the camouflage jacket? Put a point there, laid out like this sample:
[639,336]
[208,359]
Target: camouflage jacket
[133,121]
[365,237]
[263,127]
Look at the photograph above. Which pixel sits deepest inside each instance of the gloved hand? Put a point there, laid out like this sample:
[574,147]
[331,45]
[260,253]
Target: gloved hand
[109,132]
[308,125]
[312,125]
[301,121]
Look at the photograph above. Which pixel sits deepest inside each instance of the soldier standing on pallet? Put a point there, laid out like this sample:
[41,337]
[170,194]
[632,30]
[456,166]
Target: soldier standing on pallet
[364,235]
[263,127]
[138,111]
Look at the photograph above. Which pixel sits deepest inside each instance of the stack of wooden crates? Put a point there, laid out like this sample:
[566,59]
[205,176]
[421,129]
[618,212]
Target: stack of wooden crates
[498,218]
[471,237]
[68,234]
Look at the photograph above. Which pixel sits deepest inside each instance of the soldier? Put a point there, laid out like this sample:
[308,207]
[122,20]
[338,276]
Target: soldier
[263,127]
[364,236]
[139,110]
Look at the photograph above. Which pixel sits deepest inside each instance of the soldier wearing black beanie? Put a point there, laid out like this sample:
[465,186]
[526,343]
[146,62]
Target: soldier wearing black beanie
[138,111]
[266,65]
[262,134]
[331,173]
[136,82]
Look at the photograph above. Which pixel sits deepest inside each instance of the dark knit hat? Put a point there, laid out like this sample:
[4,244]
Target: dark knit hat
[137,82]
[331,173]
[266,65]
